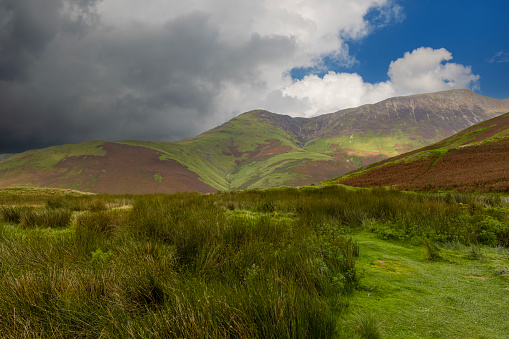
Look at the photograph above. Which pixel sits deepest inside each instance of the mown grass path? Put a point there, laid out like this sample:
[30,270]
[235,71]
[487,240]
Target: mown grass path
[457,296]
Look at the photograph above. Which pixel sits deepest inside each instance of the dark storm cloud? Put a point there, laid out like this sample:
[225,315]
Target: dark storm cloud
[78,70]
[27,28]
[67,77]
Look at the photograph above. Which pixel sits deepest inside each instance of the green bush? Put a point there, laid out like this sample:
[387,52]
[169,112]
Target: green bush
[431,249]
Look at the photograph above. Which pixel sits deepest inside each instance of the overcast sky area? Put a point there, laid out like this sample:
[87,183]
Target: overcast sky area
[164,70]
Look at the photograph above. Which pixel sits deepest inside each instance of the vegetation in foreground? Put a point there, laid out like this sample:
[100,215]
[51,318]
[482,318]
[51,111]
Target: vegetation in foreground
[277,263]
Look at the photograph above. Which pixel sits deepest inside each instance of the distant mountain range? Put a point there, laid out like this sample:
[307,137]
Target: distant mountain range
[257,149]
[476,159]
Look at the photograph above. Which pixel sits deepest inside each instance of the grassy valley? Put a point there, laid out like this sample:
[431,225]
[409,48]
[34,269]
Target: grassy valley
[308,262]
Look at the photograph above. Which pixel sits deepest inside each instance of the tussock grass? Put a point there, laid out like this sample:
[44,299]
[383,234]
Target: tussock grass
[46,218]
[252,264]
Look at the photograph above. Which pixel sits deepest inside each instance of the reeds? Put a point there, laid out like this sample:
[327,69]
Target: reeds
[251,264]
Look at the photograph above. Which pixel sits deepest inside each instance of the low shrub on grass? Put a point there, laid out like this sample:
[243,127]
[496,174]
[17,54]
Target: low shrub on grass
[431,249]
[366,326]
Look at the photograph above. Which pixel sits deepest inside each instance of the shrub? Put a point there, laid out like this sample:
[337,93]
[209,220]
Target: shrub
[431,249]
[366,326]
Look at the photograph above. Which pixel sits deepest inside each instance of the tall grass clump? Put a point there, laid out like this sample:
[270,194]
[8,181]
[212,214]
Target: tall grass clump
[81,203]
[102,222]
[431,249]
[54,218]
[13,214]
[366,326]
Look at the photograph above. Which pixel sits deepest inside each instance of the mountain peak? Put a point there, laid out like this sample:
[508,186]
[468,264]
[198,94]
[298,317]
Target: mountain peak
[256,149]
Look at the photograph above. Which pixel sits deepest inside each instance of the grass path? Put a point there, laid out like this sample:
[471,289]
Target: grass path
[457,296]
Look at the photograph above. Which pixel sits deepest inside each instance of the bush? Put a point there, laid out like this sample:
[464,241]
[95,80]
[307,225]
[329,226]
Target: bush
[431,249]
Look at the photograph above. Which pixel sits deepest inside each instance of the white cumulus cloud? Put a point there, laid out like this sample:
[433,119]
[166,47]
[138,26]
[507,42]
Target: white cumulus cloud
[335,91]
[420,71]
[423,70]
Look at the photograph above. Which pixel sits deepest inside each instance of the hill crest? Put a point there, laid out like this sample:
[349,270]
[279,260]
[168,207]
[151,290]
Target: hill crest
[476,159]
[256,149]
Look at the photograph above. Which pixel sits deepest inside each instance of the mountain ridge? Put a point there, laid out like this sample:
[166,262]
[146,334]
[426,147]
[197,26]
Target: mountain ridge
[257,149]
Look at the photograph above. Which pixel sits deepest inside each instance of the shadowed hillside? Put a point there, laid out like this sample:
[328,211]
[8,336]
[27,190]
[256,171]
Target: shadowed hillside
[256,149]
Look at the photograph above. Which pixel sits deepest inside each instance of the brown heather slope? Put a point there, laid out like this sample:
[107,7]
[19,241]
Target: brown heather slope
[474,160]
[123,169]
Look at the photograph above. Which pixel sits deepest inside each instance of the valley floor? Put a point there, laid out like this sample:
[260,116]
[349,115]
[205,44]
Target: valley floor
[463,294]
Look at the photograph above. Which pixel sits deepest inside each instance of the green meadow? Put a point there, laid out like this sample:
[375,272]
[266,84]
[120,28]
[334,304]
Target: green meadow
[309,262]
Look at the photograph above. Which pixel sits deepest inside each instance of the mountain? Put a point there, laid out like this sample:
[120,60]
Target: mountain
[476,159]
[256,149]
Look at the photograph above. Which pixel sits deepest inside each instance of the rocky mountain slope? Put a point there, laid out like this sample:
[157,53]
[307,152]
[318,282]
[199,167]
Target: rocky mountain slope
[256,149]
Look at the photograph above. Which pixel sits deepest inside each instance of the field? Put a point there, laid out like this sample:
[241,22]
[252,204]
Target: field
[329,262]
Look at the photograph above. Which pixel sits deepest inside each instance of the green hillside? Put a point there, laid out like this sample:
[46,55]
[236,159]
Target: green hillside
[476,159]
[257,149]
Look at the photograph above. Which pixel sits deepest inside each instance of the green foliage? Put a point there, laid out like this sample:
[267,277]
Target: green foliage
[99,257]
[158,177]
[431,249]
[366,326]
[256,263]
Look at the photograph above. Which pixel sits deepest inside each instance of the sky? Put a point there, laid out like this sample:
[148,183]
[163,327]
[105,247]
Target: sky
[164,70]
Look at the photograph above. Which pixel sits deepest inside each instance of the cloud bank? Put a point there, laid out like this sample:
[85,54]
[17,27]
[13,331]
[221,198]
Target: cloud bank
[77,70]
[421,71]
